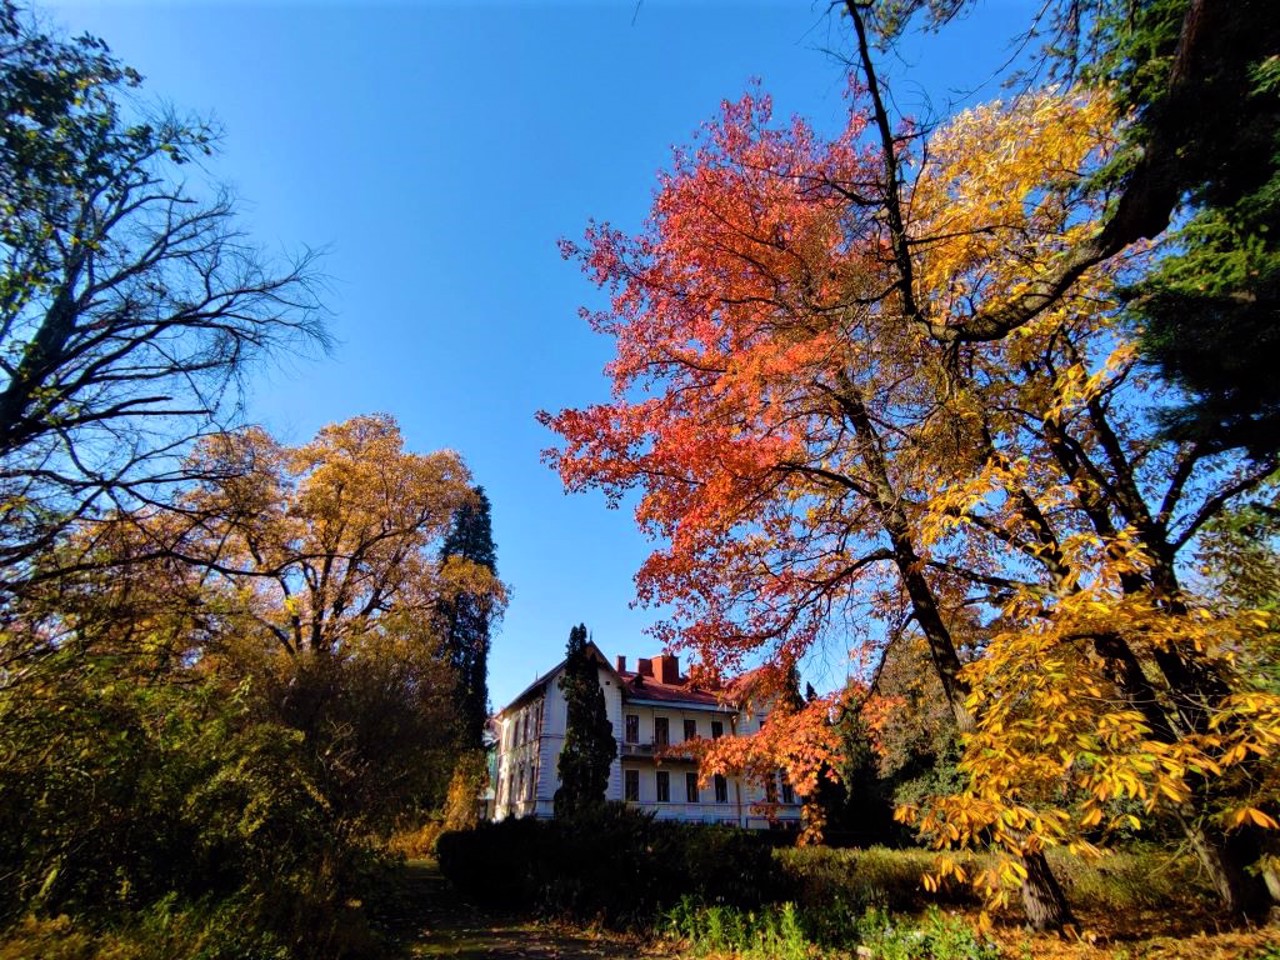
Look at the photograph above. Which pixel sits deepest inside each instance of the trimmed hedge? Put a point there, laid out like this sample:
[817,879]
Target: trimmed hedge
[613,864]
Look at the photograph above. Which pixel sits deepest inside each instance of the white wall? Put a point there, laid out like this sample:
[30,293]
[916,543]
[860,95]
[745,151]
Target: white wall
[539,757]
[542,753]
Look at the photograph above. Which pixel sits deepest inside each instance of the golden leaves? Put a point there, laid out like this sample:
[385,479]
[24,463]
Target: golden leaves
[329,542]
[1061,754]
[1254,816]
[999,193]
[800,447]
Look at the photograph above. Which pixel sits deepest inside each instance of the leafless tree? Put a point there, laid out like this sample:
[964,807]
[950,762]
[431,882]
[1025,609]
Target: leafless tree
[131,303]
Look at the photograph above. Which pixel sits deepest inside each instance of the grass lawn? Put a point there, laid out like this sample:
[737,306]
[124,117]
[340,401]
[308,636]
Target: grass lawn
[1131,907]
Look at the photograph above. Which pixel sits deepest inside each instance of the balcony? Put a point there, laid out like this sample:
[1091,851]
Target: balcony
[650,750]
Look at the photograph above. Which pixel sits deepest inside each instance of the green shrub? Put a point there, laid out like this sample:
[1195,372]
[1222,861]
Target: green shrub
[935,937]
[775,932]
[852,880]
[1133,879]
[163,932]
[495,864]
[156,812]
[788,932]
[719,864]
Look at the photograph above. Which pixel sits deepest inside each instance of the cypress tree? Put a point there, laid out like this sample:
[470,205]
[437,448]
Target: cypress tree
[468,617]
[589,744]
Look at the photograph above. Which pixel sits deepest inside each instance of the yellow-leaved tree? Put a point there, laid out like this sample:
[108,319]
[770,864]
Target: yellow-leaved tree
[1103,679]
[322,564]
[811,447]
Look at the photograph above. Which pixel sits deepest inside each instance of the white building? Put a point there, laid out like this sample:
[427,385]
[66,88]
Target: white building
[653,711]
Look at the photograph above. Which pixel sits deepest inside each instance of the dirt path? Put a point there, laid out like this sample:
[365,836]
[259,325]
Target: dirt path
[445,926]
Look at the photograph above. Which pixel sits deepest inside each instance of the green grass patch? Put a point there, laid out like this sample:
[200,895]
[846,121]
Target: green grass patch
[1125,881]
[875,877]
[789,932]
[769,932]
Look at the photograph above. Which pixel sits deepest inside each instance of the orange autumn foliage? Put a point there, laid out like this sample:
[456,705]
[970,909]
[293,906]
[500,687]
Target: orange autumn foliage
[806,458]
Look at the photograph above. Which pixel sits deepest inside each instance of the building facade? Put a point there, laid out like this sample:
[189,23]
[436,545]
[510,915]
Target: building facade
[653,710]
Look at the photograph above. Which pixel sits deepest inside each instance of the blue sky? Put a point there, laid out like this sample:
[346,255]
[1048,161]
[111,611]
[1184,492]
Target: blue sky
[436,152]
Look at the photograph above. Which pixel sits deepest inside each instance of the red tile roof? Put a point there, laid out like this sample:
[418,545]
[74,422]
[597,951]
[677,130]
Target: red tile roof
[650,688]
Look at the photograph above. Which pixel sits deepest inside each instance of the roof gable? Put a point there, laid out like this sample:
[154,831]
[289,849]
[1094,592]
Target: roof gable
[541,682]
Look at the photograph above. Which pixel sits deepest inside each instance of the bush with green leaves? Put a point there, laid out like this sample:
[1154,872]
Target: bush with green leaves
[773,932]
[1137,878]
[177,799]
[936,936]
[789,932]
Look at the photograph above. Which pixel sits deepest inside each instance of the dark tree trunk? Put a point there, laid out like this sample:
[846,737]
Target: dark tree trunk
[1245,894]
[1269,847]
[1239,896]
[1042,898]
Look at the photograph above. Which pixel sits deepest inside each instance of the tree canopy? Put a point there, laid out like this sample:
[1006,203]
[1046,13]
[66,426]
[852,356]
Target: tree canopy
[1197,169]
[886,375]
[130,301]
[470,613]
[240,687]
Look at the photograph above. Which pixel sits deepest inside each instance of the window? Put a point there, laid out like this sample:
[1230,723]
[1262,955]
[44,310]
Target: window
[531,786]
[690,729]
[771,790]
[788,792]
[633,729]
[722,789]
[519,784]
[664,787]
[717,729]
[661,731]
[631,785]
[691,787]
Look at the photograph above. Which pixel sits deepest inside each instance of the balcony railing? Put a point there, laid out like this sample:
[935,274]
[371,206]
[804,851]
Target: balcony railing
[651,748]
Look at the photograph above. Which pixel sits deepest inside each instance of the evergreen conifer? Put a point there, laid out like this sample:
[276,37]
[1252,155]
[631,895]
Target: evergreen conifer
[469,617]
[589,744]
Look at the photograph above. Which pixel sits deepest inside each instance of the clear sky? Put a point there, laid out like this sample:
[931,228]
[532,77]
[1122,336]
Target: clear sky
[437,152]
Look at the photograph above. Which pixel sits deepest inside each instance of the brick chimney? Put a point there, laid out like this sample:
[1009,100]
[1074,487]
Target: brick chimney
[644,666]
[669,669]
[620,663]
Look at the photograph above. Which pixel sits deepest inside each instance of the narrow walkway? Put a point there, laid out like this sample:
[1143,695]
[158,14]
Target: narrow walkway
[448,927]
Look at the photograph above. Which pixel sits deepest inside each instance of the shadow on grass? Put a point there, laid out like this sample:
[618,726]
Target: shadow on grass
[443,925]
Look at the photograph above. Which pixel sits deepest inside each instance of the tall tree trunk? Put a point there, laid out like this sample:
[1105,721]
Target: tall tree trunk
[1042,897]
[1244,894]
[1193,688]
